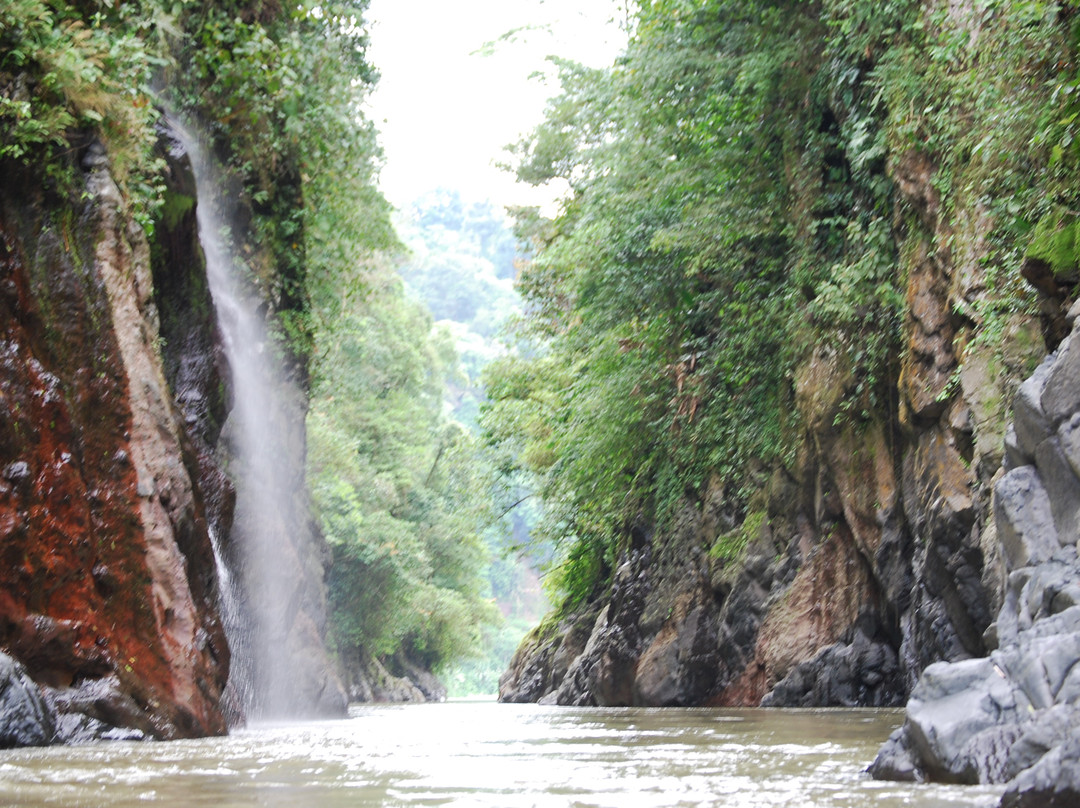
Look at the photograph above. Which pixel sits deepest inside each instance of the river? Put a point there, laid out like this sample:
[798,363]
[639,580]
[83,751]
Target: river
[487,755]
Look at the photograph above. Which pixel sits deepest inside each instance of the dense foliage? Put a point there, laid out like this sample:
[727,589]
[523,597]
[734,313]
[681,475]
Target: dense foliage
[734,205]
[401,497]
[461,263]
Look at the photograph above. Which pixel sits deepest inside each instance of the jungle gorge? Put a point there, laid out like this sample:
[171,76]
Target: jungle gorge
[794,391]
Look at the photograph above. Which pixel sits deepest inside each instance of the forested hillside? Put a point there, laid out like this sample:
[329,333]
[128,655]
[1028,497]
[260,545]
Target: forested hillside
[809,253]
[461,265]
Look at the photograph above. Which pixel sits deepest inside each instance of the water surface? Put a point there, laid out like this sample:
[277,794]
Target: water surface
[486,755]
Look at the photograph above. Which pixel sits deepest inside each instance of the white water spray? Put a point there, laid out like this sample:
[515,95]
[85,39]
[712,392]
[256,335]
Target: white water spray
[264,465]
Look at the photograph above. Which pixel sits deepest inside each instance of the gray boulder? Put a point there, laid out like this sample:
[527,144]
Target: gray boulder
[1053,782]
[1061,393]
[1014,716]
[1025,520]
[25,718]
[1030,424]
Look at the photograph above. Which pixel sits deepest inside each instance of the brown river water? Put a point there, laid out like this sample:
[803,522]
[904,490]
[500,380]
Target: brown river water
[487,755]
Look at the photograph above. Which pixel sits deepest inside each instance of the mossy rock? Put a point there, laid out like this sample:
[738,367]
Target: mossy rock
[175,204]
[729,546]
[1054,245]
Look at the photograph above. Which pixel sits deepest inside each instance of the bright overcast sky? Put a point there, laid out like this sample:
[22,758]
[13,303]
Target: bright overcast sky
[445,112]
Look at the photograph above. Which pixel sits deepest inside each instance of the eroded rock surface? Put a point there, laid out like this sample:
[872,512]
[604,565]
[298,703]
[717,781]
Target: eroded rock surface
[107,576]
[1014,716]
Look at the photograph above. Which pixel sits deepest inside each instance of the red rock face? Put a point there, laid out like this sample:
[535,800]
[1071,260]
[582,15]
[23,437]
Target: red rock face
[100,525]
[822,603]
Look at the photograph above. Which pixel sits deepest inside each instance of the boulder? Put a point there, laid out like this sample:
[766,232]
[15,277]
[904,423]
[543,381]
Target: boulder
[1029,421]
[1025,520]
[1062,489]
[1012,717]
[1053,782]
[25,718]
[1061,393]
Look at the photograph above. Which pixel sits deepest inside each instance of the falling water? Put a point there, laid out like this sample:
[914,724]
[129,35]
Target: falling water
[262,464]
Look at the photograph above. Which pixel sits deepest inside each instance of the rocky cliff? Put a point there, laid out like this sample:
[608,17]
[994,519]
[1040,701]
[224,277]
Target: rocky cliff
[108,595]
[867,559]
[115,453]
[1013,715]
[869,555]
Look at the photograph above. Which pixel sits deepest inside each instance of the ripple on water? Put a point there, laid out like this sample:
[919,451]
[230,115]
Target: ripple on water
[486,755]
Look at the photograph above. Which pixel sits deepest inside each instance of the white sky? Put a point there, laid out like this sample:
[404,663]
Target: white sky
[444,115]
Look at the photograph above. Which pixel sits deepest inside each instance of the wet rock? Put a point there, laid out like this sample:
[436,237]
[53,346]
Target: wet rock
[541,661]
[1011,716]
[603,674]
[17,473]
[25,718]
[424,680]
[98,582]
[961,719]
[896,760]
[94,708]
[1069,439]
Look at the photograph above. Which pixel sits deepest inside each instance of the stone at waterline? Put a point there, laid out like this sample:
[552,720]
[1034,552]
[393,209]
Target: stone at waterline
[25,718]
[1010,717]
[1054,782]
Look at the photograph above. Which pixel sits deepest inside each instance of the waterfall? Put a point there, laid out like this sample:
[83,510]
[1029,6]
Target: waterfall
[264,463]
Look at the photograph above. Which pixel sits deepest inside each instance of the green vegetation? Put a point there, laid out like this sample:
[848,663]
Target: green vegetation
[461,265]
[401,491]
[736,201]
[66,72]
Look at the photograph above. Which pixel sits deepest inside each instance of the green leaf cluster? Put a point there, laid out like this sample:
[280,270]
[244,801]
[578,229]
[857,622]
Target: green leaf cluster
[68,74]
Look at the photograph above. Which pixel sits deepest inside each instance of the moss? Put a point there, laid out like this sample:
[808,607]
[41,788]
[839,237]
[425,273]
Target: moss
[1054,243]
[173,208]
[729,546]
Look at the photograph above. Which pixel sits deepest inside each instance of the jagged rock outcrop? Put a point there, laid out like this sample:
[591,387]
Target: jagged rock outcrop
[25,717]
[371,683]
[1014,715]
[107,586]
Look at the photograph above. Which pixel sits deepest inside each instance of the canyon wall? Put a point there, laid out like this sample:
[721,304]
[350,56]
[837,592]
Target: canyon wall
[866,558]
[1013,716]
[869,558]
[109,593]
[114,474]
